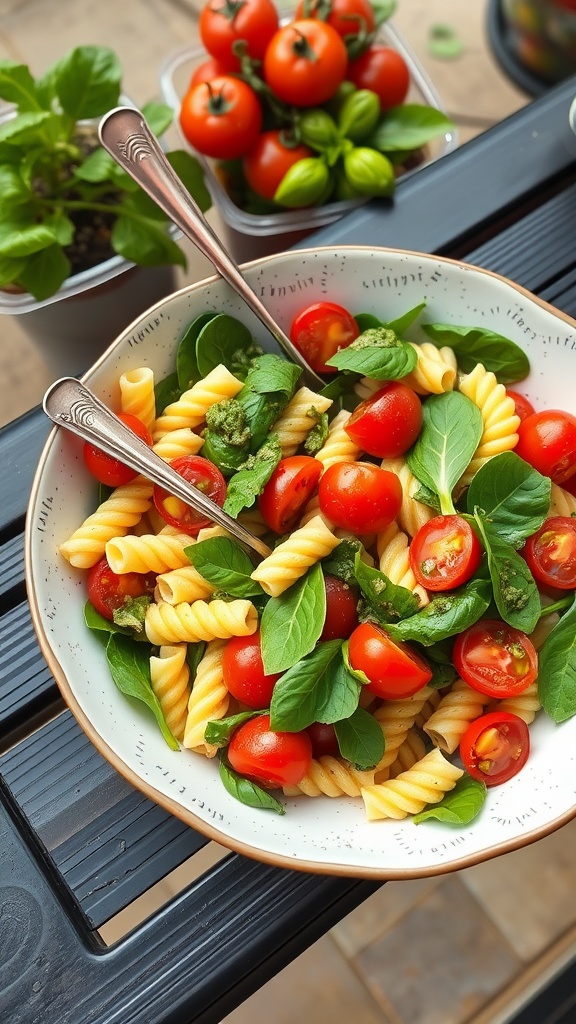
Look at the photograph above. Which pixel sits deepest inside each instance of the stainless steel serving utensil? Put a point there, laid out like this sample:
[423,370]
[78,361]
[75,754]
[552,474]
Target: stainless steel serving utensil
[125,134]
[70,404]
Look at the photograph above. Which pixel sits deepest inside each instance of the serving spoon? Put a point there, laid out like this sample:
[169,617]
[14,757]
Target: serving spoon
[125,134]
[70,404]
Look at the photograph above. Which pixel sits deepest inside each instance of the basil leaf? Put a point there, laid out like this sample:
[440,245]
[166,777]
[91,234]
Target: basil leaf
[129,664]
[194,654]
[341,561]
[317,436]
[399,326]
[387,600]
[292,623]
[458,807]
[87,81]
[98,624]
[451,430]
[261,412]
[365,321]
[186,361]
[408,126]
[513,497]
[219,341]
[446,614]
[515,592]
[303,694]
[270,373]
[218,732]
[248,792]
[166,391]
[225,564]
[377,353]
[245,486]
[474,345]
[557,669]
[18,86]
[427,497]
[360,739]
[158,115]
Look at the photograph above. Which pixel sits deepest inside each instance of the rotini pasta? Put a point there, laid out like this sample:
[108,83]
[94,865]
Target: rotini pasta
[191,408]
[338,446]
[137,395]
[170,678]
[453,715]
[113,518]
[201,620]
[290,560]
[424,783]
[333,777]
[149,553]
[396,718]
[498,413]
[435,371]
[298,418]
[413,514]
[394,560]
[209,699]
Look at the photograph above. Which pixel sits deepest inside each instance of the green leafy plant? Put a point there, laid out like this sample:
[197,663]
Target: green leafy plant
[65,205]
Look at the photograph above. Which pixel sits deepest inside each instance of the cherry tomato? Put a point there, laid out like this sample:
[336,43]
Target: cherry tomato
[273,758]
[323,739]
[347,17]
[319,331]
[305,62]
[522,406]
[269,160]
[547,441]
[341,609]
[394,669]
[208,70]
[106,468]
[387,423]
[206,477]
[495,747]
[444,553]
[551,553]
[222,118]
[108,590]
[288,490]
[495,659]
[223,22]
[383,71]
[244,674]
[359,497]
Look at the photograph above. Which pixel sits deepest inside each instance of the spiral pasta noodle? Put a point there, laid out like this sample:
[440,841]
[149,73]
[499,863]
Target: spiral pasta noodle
[113,518]
[178,443]
[424,783]
[298,418]
[201,620]
[396,719]
[394,561]
[562,503]
[526,704]
[498,414]
[137,395]
[460,706]
[413,514]
[209,699]
[333,777]
[190,409]
[435,371]
[148,553]
[170,678]
[338,446]
[412,750]
[290,560]
[184,584]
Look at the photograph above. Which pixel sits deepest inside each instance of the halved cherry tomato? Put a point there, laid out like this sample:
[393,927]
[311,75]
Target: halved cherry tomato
[551,553]
[495,747]
[269,160]
[547,441]
[347,17]
[319,331]
[522,406]
[360,497]
[221,118]
[273,758]
[444,553]
[495,659]
[384,71]
[394,669]
[324,741]
[223,22]
[387,423]
[106,468]
[341,609]
[108,590]
[305,62]
[288,490]
[206,477]
[243,672]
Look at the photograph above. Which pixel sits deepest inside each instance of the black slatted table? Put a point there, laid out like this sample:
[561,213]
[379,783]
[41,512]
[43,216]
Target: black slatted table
[77,843]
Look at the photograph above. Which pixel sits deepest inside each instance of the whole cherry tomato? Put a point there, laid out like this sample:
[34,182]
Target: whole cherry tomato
[394,669]
[243,672]
[206,477]
[108,590]
[360,497]
[384,71]
[495,659]
[551,553]
[347,17]
[387,423]
[495,747]
[222,118]
[547,441]
[444,553]
[224,22]
[324,740]
[341,609]
[273,758]
[288,490]
[208,70]
[269,159]
[305,62]
[319,331]
[522,406]
[106,468]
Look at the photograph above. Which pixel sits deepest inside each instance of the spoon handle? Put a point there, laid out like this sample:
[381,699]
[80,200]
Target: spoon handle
[125,134]
[70,404]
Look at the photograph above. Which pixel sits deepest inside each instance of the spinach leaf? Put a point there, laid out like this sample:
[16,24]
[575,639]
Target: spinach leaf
[377,353]
[474,345]
[261,412]
[186,362]
[451,430]
[218,732]
[513,498]
[446,614]
[458,807]
[225,564]
[221,339]
[129,664]
[399,326]
[360,739]
[245,486]
[387,601]
[166,391]
[341,561]
[194,654]
[98,624]
[515,592]
[292,623]
[270,373]
[427,497]
[248,792]
[314,690]
[557,669]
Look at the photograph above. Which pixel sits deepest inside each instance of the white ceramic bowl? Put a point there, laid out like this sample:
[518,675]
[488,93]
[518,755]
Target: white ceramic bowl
[321,834]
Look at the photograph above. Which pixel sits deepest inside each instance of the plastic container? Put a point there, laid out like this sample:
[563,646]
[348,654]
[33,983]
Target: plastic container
[250,236]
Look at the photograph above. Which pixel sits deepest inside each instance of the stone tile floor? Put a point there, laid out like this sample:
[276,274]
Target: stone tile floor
[459,949]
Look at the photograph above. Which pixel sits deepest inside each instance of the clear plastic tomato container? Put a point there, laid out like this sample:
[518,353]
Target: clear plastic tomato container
[250,235]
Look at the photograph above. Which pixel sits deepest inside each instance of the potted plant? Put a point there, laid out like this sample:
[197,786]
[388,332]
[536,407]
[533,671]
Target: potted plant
[83,250]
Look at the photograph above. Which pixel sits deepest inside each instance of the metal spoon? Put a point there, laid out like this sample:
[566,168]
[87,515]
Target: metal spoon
[125,134]
[70,404]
